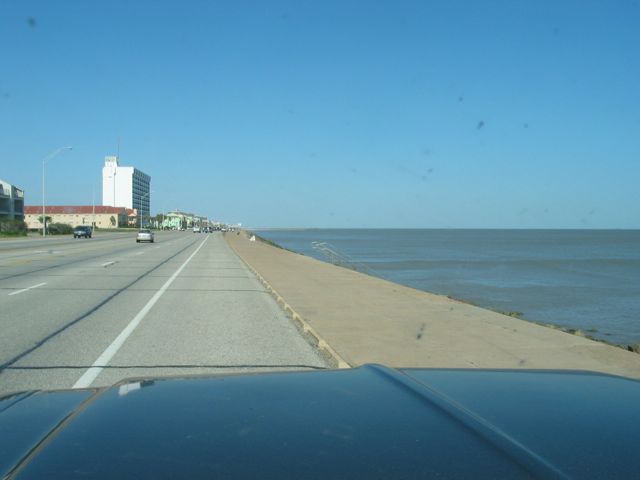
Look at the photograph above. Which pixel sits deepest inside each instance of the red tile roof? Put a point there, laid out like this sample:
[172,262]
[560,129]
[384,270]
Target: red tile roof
[74,209]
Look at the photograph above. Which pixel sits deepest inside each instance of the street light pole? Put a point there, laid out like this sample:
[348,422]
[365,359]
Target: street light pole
[44,161]
[140,210]
[93,208]
[115,170]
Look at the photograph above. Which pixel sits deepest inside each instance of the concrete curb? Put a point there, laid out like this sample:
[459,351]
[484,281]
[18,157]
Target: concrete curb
[309,332]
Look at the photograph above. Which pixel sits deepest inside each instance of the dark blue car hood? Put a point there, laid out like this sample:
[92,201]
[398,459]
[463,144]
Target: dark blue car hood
[369,422]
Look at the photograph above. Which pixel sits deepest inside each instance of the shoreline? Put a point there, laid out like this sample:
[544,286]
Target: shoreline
[255,229]
[584,333]
[572,331]
[365,319]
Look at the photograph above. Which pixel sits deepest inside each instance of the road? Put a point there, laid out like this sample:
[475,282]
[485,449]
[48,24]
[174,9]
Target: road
[91,312]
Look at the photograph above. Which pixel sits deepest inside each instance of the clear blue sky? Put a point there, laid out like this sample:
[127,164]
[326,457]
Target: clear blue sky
[333,113]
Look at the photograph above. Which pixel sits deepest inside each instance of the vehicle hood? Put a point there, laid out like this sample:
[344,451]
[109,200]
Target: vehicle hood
[367,422]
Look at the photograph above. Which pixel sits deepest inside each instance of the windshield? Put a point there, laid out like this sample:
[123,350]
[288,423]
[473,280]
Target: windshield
[324,185]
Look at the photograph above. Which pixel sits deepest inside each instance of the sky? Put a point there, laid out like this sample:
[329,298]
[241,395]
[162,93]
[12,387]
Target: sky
[345,114]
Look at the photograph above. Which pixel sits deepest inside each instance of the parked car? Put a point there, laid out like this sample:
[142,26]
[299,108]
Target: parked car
[82,231]
[144,235]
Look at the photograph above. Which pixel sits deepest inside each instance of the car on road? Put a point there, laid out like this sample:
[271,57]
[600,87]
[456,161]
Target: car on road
[144,235]
[82,231]
[196,229]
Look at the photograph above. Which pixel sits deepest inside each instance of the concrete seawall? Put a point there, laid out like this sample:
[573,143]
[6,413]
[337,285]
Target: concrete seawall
[361,319]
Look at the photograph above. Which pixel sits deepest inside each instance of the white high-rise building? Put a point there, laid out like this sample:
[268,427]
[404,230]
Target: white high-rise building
[125,187]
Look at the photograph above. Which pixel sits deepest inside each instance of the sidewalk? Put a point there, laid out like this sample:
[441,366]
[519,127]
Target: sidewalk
[369,320]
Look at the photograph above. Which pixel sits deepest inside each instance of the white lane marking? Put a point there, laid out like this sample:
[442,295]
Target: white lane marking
[139,253]
[90,375]
[106,264]
[28,288]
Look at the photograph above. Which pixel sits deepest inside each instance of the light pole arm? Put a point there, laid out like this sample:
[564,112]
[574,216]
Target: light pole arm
[44,161]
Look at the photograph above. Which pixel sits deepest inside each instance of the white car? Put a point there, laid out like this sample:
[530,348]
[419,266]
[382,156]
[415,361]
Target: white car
[196,229]
[144,235]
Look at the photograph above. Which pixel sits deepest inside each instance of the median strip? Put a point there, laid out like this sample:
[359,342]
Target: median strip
[92,373]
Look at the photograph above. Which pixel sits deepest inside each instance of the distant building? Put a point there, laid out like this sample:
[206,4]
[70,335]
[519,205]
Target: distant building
[200,221]
[177,219]
[126,187]
[105,217]
[11,201]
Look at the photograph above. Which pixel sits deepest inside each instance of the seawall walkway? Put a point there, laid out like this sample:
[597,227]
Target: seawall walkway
[365,319]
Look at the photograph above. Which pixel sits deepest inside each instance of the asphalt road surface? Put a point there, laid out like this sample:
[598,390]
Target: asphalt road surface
[91,312]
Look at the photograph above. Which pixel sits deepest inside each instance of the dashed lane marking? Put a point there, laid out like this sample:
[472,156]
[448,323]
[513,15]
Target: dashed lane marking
[27,289]
[92,373]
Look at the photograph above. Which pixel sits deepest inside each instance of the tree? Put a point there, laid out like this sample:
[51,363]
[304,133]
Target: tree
[47,220]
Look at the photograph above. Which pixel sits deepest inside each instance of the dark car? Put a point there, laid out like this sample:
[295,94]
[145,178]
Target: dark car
[367,422]
[82,231]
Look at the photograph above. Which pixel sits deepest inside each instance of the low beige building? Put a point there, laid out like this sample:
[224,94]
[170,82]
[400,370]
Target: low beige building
[103,216]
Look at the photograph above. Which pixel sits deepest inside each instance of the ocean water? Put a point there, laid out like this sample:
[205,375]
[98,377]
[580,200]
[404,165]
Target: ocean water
[582,279]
